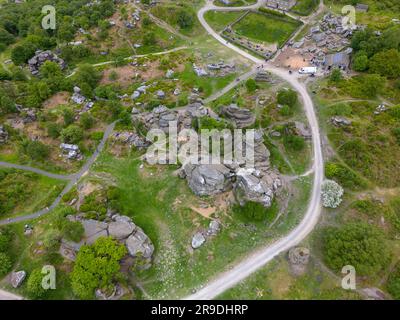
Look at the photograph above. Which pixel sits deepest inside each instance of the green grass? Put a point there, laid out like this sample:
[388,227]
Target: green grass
[25,192]
[160,203]
[305,7]
[218,20]
[235,3]
[266,27]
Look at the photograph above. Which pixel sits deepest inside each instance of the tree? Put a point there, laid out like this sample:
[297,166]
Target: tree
[372,84]
[336,75]
[53,130]
[6,37]
[386,63]
[393,284]
[68,116]
[36,150]
[34,285]
[185,20]
[251,85]
[96,266]
[332,194]
[357,244]
[22,53]
[360,63]
[287,97]
[72,134]
[87,74]
[5,264]
[86,121]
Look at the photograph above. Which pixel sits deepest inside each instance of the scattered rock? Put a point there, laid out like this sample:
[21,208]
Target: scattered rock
[213,228]
[170,74]
[71,151]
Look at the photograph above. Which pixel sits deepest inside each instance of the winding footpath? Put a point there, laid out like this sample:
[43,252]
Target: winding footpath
[72,179]
[258,259]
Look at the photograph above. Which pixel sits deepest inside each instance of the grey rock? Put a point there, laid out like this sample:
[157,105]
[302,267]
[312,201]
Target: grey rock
[3,135]
[17,278]
[198,240]
[139,244]
[240,116]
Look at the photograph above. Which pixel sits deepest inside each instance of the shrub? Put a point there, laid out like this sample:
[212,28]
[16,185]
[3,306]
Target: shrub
[254,211]
[34,285]
[358,244]
[393,284]
[5,264]
[72,134]
[36,150]
[287,97]
[251,85]
[332,194]
[294,143]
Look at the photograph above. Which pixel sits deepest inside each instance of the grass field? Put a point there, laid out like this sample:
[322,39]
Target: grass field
[265,27]
[218,20]
[24,192]
[235,3]
[305,7]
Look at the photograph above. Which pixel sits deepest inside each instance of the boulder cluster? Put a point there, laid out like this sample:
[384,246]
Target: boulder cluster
[241,117]
[117,226]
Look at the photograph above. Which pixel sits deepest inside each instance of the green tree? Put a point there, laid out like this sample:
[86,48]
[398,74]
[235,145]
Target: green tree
[360,63]
[185,20]
[5,264]
[96,266]
[34,285]
[37,150]
[68,116]
[287,97]
[386,63]
[358,244]
[53,130]
[251,85]
[393,284]
[72,134]
[336,75]
[86,121]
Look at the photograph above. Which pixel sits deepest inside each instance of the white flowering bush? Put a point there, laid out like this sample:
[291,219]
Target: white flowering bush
[332,194]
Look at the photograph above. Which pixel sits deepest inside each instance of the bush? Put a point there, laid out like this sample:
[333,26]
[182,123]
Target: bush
[5,264]
[53,130]
[287,97]
[346,177]
[36,150]
[332,194]
[254,211]
[251,85]
[34,285]
[87,121]
[294,143]
[393,284]
[96,266]
[72,134]
[358,244]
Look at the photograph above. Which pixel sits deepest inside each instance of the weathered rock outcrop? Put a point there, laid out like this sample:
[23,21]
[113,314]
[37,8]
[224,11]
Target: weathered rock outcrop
[208,179]
[120,228]
[241,117]
[17,278]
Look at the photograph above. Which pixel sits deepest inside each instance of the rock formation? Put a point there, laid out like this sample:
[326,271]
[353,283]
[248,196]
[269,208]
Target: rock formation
[3,135]
[241,117]
[41,57]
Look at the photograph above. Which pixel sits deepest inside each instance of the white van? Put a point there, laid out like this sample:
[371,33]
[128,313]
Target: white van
[308,70]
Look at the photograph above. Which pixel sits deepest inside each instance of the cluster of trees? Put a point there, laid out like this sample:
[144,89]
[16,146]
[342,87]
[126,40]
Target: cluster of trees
[377,53]
[96,266]
[24,20]
[357,244]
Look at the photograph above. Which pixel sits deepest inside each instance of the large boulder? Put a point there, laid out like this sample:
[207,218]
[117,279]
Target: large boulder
[198,240]
[139,244]
[208,179]
[121,228]
[93,230]
[41,57]
[17,278]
